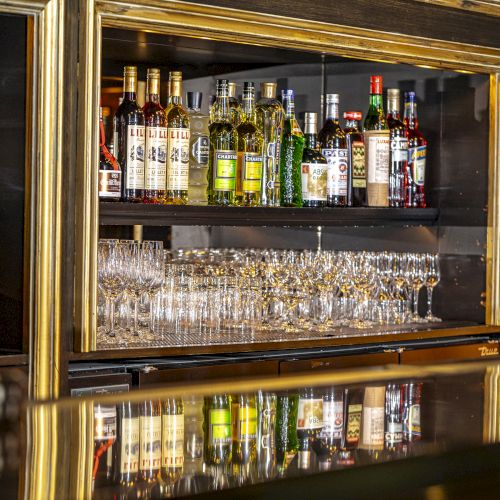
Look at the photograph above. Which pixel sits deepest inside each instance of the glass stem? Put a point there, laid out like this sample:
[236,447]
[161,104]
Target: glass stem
[152,301]
[415,302]
[429,300]
[111,317]
[136,316]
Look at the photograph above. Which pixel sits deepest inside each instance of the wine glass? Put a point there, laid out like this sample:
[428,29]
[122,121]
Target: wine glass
[432,278]
[416,275]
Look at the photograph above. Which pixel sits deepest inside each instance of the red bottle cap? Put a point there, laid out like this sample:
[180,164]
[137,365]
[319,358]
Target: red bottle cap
[353,115]
[375,84]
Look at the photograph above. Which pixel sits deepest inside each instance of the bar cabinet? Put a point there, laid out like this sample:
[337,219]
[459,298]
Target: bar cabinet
[449,55]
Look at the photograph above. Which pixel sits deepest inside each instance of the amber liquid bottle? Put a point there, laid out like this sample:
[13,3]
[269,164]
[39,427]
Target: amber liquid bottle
[129,139]
[333,147]
[156,141]
[110,175]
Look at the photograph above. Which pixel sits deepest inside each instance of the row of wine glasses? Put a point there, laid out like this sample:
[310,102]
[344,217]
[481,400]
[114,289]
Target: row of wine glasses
[216,291]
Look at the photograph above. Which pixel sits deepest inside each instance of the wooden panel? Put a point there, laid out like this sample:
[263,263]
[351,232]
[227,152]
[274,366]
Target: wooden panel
[229,371]
[480,350]
[334,363]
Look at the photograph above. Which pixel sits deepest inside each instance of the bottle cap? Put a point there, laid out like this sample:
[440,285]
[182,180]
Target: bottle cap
[232,89]
[248,86]
[375,84]
[332,98]
[268,89]
[153,73]
[222,83]
[175,75]
[311,118]
[353,115]
[286,93]
[393,93]
[410,96]
[130,70]
[194,100]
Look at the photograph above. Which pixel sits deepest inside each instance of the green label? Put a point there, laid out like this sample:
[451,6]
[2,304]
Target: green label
[252,172]
[225,170]
[220,425]
[247,418]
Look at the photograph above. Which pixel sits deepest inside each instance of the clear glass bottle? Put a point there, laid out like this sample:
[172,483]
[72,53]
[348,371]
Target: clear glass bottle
[234,105]
[292,148]
[223,146]
[178,133]
[269,112]
[199,150]
[314,166]
[266,435]
[172,462]
[110,175]
[249,167]
[217,430]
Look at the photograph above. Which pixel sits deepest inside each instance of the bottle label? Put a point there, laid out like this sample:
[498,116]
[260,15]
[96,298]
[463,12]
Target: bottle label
[104,422]
[399,149]
[150,434]
[414,420]
[336,184]
[135,157]
[110,184]
[377,149]
[156,158]
[200,149]
[129,456]
[417,156]
[247,422]
[333,419]
[314,181]
[373,426]
[251,171]
[178,159]
[394,433]
[224,170]
[354,423]
[358,164]
[173,440]
[310,414]
[273,165]
[219,426]
[267,423]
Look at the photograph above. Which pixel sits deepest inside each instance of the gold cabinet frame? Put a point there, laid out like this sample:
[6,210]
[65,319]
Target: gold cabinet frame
[234,25]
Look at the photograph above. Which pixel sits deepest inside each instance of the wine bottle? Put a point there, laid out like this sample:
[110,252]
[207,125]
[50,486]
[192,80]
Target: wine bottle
[398,151]
[178,134]
[393,421]
[110,175]
[129,139]
[333,147]
[266,435]
[330,436]
[249,166]
[217,428]
[234,105]
[314,166]
[412,401]
[155,164]
[223,156]
[172,442]
[292,149]
[372,424]
[377,142]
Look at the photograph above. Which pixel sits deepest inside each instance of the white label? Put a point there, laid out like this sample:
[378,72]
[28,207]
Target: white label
[333,419]
[310,414]
[394,433]
[377,148]
[150,457]
[314,181]
[336,180]
[156,158]
[416,156]
[399,149]
[178,159]
[135,157]
[129,456]
[104,422]
[173,440]
[373,426]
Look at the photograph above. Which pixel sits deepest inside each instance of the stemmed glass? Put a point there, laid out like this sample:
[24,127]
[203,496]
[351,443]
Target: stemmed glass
[154,275]
[432,278]
[416,275]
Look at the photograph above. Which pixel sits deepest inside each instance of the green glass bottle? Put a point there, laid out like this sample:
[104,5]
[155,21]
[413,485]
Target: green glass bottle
[292,148]
[249,167]
[217,429]
[223,145]
[314,166]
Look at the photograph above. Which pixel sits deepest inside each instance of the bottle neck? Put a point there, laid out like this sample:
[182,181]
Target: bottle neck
[332,111]
[175,93]
[155,98]
[410,117]
[248,106]
[376,101]
[221,109]
[352,124]
[175,99]
[289,107]
[129,96]
[311,135]
[102,135]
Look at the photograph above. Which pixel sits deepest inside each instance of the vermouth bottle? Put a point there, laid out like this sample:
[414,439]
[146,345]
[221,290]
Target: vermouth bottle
[155,164]
[249,166]
[172,441]
[377,142]
[104,442]
[129,139]
[356,184]
[398,150]
[178,134]
[417,153]
[110,175]
[333,147]
[269,112]
[217,428]
[314,166]
[223,146]
[234,105]
[292,148]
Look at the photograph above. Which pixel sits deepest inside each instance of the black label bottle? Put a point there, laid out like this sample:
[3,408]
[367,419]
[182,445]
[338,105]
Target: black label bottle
[110,175]
[393,421]
[129,139]
[333,147]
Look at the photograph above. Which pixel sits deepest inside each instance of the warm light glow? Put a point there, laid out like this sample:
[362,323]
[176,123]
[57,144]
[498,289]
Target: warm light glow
[466,71]
[425,66]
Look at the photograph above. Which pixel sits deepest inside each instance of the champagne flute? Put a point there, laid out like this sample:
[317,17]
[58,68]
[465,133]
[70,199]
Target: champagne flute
[432,278]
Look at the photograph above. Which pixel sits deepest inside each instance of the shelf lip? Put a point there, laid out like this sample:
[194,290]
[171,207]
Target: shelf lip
[125,214]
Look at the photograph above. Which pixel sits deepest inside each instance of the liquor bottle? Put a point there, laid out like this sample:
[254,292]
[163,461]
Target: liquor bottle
[393,420]
[331,434]
[150,446]
[110,175]
[356,184]
[292,149]
[412,400]
[333,147]
[286,430]
[353,410]
[310,416]
[249,167]
[314,166]
[217,429]
[377,142]
[155,161]
[266,435]
[398,152]
[178,135]
[104,442]
[269,113]
[199,151]
[127,449]
[417,153]
[129,139]
[234,105]
[172,441]
[372,424]
[223,157]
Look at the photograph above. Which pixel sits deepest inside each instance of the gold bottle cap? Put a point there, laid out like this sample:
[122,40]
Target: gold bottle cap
[232,89]
[130,79]
[153,78]
[268,90]
[130,70]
